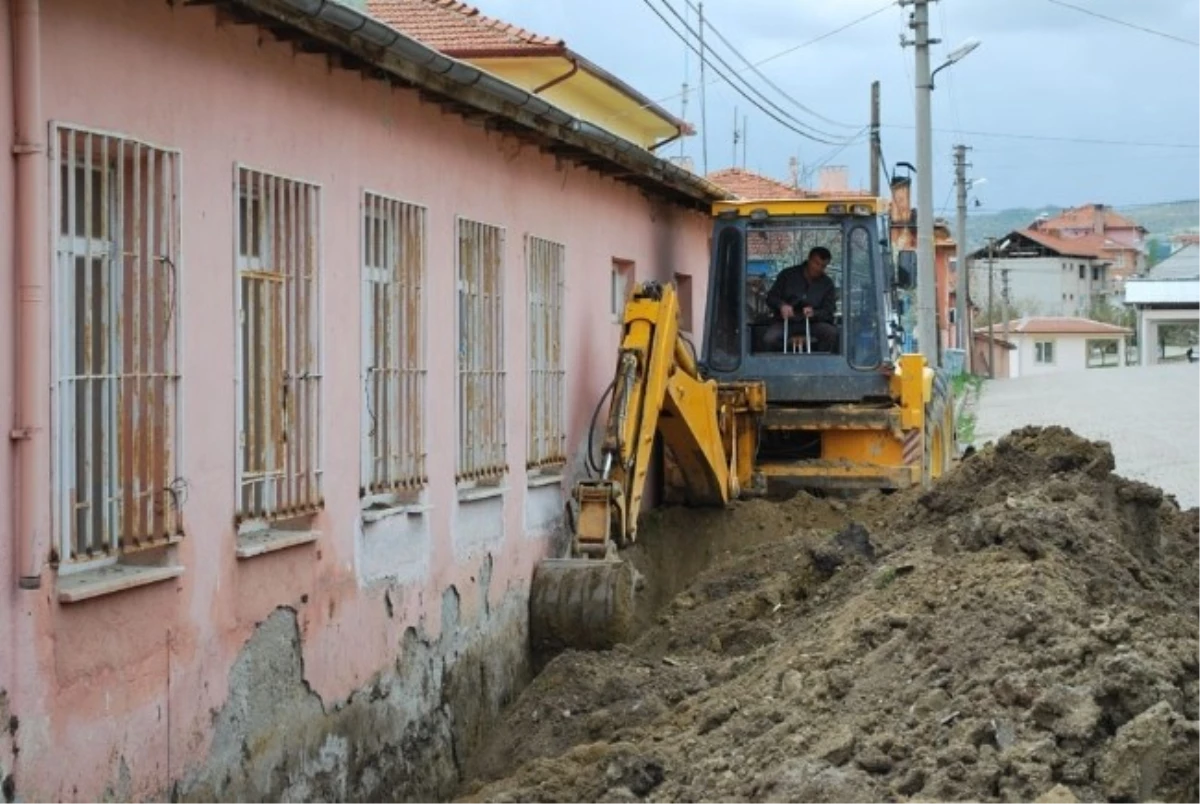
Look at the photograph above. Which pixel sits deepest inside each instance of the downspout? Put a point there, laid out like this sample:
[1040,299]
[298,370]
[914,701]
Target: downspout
[678,133]
[557,80]
[31,477]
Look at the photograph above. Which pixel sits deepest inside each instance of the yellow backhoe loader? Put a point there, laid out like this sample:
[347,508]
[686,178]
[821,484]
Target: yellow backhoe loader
[745,413]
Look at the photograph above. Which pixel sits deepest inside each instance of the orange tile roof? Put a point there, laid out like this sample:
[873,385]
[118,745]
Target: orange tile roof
[1059,325]
[461,31]
[1090,245]
[1085,217]
[748,185]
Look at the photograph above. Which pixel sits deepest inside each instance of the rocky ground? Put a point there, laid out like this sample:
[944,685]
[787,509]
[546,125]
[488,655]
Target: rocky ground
[1025,630]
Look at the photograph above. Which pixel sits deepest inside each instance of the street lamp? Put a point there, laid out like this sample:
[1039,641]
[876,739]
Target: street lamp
[956,55]
[927,330]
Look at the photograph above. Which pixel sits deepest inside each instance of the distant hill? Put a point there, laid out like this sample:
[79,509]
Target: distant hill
[1161,220]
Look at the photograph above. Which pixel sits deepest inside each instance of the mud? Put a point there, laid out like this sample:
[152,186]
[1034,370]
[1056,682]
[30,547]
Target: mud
[1027,629]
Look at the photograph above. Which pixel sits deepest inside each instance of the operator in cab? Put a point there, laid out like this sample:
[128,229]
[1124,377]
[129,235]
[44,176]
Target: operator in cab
[804,291]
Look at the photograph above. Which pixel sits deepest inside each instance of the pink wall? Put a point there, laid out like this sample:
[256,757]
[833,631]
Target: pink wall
[7,328]
[98,672]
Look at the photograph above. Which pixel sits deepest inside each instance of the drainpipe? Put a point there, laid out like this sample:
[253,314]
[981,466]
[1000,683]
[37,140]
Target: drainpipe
[559,79]
[31,486]
[678,133]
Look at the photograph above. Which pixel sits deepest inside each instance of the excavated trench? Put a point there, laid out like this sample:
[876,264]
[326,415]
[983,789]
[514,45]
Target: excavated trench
[1027,628]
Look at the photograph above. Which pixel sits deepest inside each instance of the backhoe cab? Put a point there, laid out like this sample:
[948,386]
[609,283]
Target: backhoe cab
[857,415]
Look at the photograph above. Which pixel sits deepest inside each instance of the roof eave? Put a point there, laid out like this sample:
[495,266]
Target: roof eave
[374,48]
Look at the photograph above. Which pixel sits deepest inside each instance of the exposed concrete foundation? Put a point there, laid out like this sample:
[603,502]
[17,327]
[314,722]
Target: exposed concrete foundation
[403,737]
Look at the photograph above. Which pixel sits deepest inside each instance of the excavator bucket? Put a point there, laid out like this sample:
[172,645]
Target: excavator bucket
[581,604]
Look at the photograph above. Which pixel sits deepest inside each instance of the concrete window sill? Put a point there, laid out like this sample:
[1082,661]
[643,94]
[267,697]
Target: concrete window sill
[261,542]
[377,514]
[543,479]
[473,493]
[110,580]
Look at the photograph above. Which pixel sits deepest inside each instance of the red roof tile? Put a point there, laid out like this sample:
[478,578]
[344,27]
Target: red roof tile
[1059,325]
[748,185]
[461,31]
[1091,245]
[1085,218]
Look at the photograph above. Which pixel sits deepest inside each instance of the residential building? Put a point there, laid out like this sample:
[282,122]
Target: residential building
[310,322]
[1052,344]
[1119,241]
[999,353]
[1044,274]
[541,65]
[1167,295]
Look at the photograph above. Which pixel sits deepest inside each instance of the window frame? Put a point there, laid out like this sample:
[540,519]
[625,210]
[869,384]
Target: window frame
[282,513]
[124,181]
[554,460]
[403,490]
[480,469]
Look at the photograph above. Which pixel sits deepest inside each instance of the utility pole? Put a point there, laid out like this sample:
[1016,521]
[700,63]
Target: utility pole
[1004,297]
[736,138]
[927,330]
[991,308]
[963,294]
[703,110]
[875,146]
[745,137]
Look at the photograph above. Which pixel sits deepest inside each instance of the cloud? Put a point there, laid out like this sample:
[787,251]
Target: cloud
[1042,69]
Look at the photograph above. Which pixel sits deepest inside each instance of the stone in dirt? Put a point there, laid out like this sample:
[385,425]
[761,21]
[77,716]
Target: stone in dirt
[1040,644]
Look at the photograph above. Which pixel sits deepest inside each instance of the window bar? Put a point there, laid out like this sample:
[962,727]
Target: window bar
[284,333]
[400,403]
[153,312]
[127,347]
[87,442]
[112,355]
[297,417]
[73,531]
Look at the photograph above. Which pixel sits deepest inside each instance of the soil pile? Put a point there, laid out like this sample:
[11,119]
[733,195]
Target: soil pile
[1027,629]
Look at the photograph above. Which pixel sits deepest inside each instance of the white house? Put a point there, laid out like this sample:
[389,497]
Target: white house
[1048,345]
[1045,274]
[1168,294]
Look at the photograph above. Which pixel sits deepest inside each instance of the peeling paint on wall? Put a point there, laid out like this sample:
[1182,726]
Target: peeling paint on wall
[404,736]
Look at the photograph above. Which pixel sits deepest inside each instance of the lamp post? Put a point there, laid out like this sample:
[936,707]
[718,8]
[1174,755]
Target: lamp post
[927,331]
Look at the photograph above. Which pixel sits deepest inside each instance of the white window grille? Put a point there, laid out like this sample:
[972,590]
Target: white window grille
[481,442]
[1044,352]
[116,346]
[393,370]
[545,269]
[278,349]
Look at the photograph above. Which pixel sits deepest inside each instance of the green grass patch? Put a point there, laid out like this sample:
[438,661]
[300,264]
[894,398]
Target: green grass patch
[964,425]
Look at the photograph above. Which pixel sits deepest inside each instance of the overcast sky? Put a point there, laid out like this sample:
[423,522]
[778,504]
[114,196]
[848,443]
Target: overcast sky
[1042,70]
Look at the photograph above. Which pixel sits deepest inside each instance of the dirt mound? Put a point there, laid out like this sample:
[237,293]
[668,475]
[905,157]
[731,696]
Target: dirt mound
[1026,628]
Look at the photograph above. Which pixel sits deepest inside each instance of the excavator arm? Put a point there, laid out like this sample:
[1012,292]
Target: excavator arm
[587,599]
[657,390]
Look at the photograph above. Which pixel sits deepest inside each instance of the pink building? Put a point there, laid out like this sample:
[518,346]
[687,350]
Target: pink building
[310,322]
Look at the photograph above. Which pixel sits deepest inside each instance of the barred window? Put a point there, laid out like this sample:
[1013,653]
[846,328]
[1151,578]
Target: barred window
[278,349]
[116,346]
[545,269]
[393,370]
[481,443]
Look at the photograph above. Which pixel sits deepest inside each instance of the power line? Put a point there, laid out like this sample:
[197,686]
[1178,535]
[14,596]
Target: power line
[794,126]
[781,53]
[765,80]
[1051,138]
[1134,26]
[814,132]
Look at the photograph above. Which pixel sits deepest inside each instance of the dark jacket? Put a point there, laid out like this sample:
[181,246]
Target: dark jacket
[792,287]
